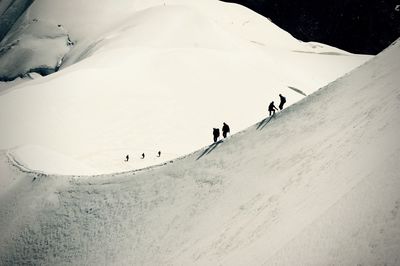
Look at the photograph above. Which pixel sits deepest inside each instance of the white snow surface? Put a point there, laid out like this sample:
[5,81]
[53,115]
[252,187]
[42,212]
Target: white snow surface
[54,162]
[317,184]
[149,76]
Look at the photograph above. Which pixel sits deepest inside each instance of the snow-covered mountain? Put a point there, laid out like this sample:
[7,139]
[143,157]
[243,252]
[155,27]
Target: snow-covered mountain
[146,76]
[317,184]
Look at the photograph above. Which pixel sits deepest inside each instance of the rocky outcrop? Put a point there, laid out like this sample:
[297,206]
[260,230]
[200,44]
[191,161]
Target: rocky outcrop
[38,46]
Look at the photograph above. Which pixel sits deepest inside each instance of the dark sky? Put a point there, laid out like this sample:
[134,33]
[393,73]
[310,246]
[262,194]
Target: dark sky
[358,26]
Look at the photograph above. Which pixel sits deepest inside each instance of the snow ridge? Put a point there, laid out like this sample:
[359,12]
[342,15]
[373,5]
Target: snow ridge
[316,184]
[153,76]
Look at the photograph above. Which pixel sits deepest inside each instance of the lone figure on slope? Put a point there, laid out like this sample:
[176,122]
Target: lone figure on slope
[283,101]
[127,158]
[225,130]
[142,156]
[216,134]
[272,108]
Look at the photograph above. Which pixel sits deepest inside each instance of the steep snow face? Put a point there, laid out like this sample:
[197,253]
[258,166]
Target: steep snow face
[4,5]
[10,13]
[37,46]
[157,77]
[317,184]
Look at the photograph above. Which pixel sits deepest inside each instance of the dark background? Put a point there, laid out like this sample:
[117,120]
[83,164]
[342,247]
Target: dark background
[357,26]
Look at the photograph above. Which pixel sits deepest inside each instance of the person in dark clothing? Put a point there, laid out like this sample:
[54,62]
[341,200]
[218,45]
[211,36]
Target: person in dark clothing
[216,134]
[159,153]
[283,101]
[142,156]
[127,158]
[272,108]
[225,130]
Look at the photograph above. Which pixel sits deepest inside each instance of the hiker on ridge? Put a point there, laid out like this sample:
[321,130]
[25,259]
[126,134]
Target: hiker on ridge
[225,130]
[283,101]
[216,134]
[272,108]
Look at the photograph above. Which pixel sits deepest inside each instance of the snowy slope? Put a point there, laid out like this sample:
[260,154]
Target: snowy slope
[318,184]
[157,75]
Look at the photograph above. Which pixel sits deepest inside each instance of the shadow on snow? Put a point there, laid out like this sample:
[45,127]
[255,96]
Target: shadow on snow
[210,149]
[264,122]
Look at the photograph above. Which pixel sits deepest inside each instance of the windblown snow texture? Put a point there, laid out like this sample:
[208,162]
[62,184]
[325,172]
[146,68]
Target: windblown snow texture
[317,184]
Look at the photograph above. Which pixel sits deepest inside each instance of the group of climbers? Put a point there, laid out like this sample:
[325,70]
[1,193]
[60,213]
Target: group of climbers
[225,131]
[225,126]
[142,156]
[272,108]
